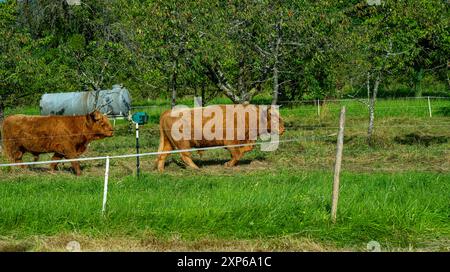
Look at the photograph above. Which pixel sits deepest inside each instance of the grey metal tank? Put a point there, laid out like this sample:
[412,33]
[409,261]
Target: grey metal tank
[114,102]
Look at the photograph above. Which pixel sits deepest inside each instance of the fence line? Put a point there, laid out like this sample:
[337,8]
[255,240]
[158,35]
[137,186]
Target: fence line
[360,105]
[151,106]
[147,154]
[314,102]
[445,124]
[306,127]
[300,109]
[167,152]
[361,99]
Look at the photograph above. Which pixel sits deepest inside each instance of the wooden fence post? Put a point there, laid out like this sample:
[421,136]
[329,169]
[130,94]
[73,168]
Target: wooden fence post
[337,166]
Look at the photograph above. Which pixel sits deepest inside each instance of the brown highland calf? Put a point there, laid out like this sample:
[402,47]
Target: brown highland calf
[65,136]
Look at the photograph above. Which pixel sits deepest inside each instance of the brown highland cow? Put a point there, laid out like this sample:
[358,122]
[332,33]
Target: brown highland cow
[219,125]
[65,136]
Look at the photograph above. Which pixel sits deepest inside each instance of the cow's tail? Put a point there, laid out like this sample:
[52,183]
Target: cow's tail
[163,139]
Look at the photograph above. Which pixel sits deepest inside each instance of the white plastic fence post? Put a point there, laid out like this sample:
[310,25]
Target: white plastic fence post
[138,166]
[429,106]
[105,187]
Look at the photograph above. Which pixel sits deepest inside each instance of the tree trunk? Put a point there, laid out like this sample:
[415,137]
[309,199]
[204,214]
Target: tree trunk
[448,77]
[2,106]
[173,85]
[276,50]
[216,76]
[241,88]
[203,93]
[174,90]
[448,80]
[276,86]
[372,109]
[368,87]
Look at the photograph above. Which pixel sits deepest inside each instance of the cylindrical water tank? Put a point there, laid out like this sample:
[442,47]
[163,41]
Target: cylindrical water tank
[114,102]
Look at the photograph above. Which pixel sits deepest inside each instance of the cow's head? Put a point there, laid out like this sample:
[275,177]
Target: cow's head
[99,125]
[275,114]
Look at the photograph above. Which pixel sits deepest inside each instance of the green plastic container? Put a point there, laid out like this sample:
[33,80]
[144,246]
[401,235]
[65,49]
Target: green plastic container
[140,118]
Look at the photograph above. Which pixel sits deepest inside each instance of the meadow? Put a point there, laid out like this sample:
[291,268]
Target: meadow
[395,191]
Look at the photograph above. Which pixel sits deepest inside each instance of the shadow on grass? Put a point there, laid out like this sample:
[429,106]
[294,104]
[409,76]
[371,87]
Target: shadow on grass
[445,111]
[213,162]
[421,139]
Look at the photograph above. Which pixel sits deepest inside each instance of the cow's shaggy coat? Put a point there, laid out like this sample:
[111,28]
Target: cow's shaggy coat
[168,142]
[65,136]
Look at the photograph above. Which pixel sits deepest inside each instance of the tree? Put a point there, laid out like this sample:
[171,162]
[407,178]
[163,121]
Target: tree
[16,67]
[231,36]
[386,40]
[288,50]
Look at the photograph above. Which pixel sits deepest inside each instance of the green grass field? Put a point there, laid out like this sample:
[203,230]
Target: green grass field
[395,192]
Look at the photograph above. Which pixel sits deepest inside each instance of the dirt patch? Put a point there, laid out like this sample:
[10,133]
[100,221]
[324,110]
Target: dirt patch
[174,243]
[64,243]
[15,246]
[259,164]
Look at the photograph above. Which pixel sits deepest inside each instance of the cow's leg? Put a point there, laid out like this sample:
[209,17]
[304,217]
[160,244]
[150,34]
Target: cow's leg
[238,152]
[164,145]
[56,156]
[17,157]
[248,147]
[36,156]
[236,155]
[186,157]
[76,167]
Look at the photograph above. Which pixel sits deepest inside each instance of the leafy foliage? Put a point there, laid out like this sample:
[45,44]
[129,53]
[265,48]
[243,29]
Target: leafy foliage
[317,48]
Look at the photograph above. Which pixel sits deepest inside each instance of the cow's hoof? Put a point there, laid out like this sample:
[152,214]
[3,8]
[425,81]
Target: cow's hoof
[229,164]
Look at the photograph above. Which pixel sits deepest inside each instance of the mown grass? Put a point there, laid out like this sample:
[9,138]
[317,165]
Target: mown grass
[395,191]
[398,210]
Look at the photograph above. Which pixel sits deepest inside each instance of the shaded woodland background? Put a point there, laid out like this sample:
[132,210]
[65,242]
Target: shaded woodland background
[281,50]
